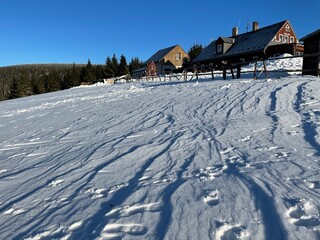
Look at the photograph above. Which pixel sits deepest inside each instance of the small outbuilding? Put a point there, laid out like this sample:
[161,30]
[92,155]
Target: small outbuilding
[311,64]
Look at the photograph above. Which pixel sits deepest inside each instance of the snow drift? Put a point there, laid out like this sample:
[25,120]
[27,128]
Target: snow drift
[181,160]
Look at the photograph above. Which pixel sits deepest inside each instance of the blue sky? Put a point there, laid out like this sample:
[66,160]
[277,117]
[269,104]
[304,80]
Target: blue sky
[67,31]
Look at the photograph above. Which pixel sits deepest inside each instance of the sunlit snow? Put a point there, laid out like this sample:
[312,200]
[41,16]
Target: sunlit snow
[234,159]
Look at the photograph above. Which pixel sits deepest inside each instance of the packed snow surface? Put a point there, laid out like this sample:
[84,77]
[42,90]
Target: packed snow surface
[203,159]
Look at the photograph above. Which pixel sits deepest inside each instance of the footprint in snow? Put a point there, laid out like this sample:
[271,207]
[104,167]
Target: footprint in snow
[293,133]
[210,173]
[96,192]
[246,139]
[282,155]
[304,213]
[231,232]
[119,231]
[313,184]
[212,199]
[227,150]
[126,211]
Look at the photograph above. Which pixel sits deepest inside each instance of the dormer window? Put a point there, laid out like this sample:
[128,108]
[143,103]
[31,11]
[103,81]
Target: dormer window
[219,48]
[178,56]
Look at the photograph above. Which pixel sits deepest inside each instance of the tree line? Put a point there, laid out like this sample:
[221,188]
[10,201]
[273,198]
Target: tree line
[25,80]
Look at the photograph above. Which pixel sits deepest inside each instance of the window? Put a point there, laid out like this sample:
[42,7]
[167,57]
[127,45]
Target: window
[291,39]
[178,56]
[288,29]
[280,38]
[285,39]
[219,48]
[255,58]
[242,60]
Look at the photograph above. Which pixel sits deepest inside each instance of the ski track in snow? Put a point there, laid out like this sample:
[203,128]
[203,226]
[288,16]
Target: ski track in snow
[177,160]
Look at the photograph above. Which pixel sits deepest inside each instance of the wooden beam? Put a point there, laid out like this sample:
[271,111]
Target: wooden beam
[224,73]
[238,71]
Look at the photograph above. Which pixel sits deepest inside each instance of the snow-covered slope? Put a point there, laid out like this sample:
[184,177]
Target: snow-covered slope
[193,160]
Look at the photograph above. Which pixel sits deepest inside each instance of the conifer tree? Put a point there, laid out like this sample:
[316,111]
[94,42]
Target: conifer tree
[194,51]
[109,69]
[123,66]
[115,65]
[53,81]
[15,89]
[71,78]
[135,64]
[87,74]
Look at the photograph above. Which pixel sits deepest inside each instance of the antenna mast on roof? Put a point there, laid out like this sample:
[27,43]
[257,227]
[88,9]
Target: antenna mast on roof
[248,23]
[239,23]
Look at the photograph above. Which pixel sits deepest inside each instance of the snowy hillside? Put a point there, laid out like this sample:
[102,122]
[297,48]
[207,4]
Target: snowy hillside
[176,160]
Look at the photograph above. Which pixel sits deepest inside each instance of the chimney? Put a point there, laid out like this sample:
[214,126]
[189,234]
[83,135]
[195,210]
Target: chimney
[235,32]
[255,26]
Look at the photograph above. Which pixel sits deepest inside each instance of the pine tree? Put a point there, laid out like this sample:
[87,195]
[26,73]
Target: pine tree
[15,89]
[71,78]
[88,74]
[25,80]
[194,51]
[75,72]
[115,65]
[53,81]
[135,64]
[100,72]
[123,66]
[109,69]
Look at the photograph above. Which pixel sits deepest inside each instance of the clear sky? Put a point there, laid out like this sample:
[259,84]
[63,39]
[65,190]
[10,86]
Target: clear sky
[67,31]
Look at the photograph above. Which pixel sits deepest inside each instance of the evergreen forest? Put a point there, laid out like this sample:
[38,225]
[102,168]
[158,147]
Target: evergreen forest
[25,80]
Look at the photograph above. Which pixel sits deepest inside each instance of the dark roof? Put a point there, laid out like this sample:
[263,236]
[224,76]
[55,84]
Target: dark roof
[139,70]
[158,56]
[255,41]
[311,35]
[227,40]
[207,53]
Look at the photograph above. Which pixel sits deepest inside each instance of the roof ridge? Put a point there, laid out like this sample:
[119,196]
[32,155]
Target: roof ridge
[160,54]
[263,28]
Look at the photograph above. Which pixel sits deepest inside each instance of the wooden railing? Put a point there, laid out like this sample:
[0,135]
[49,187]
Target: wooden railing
[233,71]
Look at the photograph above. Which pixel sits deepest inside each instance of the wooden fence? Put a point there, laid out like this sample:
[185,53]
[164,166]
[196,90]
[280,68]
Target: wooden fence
[233,71]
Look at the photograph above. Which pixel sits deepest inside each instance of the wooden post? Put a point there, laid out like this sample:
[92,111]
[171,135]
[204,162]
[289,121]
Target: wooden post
[255,70]
[224,73]
[212,74]
[318,70]
[265,69]
[231,69]
[238,71]
[197,74]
